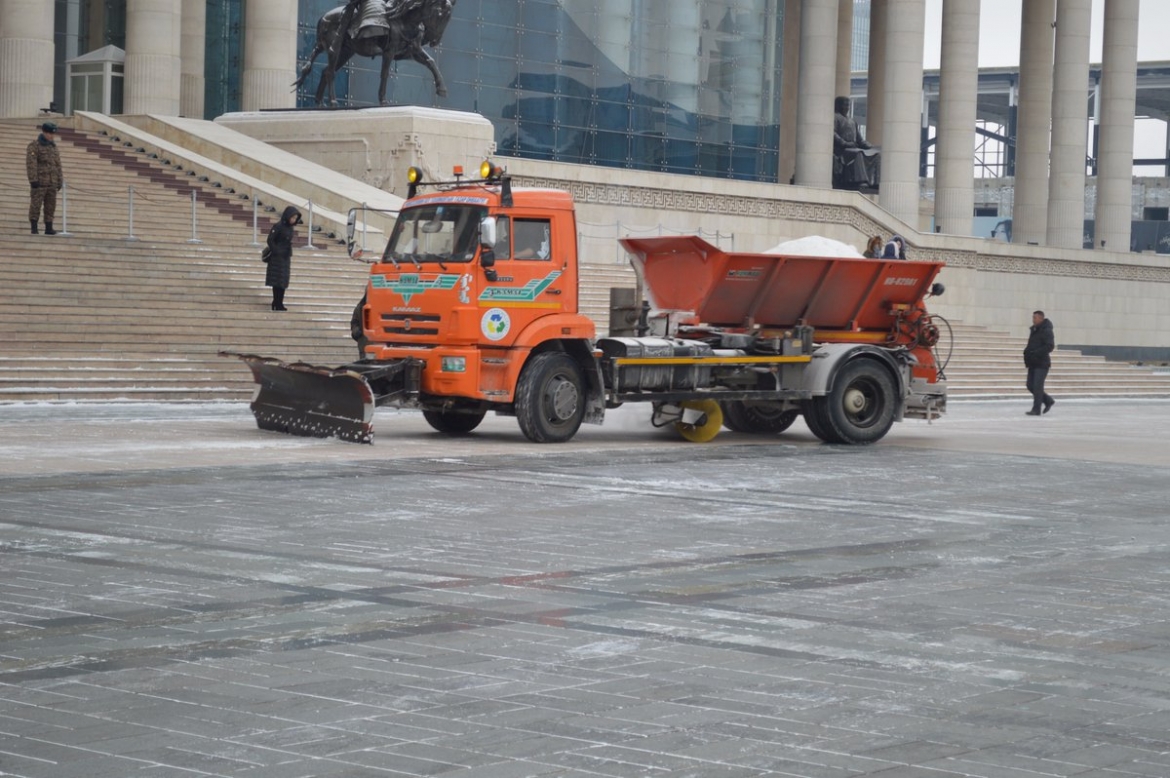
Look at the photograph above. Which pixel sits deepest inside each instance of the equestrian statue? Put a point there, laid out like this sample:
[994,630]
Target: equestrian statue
[390,29]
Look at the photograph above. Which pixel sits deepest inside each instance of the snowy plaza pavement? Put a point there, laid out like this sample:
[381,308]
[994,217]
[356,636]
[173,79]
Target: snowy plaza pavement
[186,595]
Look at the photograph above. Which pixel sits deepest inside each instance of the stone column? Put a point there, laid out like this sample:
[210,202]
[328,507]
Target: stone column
[270,55]
[153,44]
[844,48]
[1030,208]
[901,130]
[814,103]
[26,57]
[194,33]
[1115,149]
[1070,120]
[875,99]
[789,87]
[954,191]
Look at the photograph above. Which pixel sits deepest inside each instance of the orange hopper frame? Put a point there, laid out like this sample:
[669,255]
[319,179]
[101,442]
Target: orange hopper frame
[840,297]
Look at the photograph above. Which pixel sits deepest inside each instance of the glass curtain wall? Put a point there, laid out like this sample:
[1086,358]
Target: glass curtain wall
[223,57]
[681,86]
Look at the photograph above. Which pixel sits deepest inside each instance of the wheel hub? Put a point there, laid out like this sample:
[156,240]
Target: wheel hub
[564,399]
[854,401]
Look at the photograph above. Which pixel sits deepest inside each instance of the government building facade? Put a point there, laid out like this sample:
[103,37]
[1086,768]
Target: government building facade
[732,89]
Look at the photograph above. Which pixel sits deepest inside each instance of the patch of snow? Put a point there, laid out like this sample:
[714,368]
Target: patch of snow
[815,246]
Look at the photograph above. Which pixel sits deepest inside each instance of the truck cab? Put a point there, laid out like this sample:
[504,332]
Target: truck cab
[476,279]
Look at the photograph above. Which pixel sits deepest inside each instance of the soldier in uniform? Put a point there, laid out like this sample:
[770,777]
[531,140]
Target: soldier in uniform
[43,162]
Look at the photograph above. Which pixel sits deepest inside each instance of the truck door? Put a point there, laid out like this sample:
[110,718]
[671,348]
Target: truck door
[529,280]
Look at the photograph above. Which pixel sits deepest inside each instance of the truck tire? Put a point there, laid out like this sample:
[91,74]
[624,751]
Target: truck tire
[860,407]
[814,411]
[757,418]
[453,423]
[550,398]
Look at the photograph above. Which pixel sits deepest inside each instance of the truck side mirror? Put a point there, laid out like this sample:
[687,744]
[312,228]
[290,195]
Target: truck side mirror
[355,251]
[487,232]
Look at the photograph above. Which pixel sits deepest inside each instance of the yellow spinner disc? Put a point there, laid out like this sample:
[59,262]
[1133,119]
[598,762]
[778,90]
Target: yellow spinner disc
[704,428]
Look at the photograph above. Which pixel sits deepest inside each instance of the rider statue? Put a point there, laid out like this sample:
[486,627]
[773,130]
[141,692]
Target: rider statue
[370,19]
[373,18]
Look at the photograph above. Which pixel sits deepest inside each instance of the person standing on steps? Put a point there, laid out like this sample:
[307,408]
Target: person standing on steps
[1041,342]
[43,162]
[280,240]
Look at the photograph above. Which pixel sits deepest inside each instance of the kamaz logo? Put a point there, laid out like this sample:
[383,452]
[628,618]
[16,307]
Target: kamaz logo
[901,281]
[408,284]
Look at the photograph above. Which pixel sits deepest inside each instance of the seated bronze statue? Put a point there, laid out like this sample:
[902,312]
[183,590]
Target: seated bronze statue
[856,163]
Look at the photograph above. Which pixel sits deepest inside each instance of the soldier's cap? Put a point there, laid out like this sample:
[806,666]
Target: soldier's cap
[48,127]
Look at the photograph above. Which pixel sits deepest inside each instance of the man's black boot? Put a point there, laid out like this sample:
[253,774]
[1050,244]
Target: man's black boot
[33,224]
[49,229]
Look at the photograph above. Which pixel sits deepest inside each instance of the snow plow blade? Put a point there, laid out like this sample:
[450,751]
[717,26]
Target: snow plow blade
[320,402]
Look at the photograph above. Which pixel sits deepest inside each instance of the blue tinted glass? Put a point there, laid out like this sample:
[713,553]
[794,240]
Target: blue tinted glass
[224,57]
[687,86]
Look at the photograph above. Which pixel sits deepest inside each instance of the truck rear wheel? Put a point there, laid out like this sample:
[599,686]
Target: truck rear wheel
[550,398]
[453,423]
[814,410]
[757,418]
[860,407]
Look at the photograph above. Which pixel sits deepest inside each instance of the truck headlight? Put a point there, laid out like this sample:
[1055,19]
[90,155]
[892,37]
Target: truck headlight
[453,365]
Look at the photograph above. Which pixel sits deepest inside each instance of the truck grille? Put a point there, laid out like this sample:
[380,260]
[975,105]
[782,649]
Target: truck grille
[410,324]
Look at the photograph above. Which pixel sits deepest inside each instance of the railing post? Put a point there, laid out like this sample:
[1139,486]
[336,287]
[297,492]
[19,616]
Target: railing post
[64,209]
[255,206]
[131,211]
[309,239]
[194,232]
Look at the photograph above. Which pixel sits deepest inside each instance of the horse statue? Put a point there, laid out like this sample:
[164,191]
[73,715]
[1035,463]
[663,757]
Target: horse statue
[390,29]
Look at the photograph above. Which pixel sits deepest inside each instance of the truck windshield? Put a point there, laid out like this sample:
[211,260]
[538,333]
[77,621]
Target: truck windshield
[435,233]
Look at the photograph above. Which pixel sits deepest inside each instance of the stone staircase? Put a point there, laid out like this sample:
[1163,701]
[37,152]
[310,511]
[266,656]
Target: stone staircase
[989,364]
[98,316]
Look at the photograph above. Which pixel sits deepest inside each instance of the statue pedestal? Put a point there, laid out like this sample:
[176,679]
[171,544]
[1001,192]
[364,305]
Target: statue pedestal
[376,145]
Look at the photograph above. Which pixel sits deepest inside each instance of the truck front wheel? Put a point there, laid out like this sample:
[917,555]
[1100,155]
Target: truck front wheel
[550,398]
[453,423]
[860,406]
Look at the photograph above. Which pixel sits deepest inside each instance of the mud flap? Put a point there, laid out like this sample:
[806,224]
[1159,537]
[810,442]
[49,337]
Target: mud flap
[318,402]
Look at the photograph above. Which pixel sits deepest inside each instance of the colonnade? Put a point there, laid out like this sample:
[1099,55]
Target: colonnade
[164,75]
[164,56]
[1052,111]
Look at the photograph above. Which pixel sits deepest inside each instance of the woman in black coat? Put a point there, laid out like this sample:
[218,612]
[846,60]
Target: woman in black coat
[280,239]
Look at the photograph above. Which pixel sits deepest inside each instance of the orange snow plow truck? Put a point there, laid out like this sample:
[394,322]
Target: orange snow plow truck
[473,307]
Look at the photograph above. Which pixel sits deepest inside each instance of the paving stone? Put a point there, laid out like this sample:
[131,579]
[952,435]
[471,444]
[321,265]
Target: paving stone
[919,608]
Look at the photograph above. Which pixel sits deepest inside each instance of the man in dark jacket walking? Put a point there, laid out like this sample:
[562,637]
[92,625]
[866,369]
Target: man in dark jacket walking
[1041,342]
[280,239]
[43,164]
